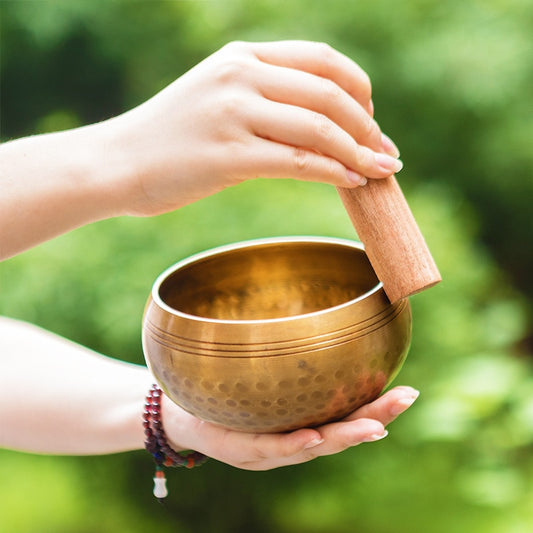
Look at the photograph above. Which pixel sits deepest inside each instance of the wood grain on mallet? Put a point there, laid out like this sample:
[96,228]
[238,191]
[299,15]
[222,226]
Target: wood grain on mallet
[393,242]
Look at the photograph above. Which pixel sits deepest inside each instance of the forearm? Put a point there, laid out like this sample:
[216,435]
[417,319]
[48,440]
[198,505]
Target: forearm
[56,182]
[61,398]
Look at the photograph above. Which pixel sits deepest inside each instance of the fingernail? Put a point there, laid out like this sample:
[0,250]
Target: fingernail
[389,146]
[356,179]
[403,404]
[313,443]
[376,436]
[388,163]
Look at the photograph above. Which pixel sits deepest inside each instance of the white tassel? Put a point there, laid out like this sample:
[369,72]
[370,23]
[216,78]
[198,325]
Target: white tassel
[160,485]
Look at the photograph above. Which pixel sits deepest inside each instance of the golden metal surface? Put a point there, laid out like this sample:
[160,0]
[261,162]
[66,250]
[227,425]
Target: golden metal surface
[275,334]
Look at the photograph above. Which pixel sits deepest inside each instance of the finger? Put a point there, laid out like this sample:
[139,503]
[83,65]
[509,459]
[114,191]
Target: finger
[339,436]
[295,126]
[278,449]
[323,96]
[387,407]
[322,60]
[277,160]
[335,438]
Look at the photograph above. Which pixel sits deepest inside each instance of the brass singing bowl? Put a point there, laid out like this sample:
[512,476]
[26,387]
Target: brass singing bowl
[275,334]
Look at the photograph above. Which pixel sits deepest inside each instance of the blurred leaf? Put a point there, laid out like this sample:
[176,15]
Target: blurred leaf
[495,486]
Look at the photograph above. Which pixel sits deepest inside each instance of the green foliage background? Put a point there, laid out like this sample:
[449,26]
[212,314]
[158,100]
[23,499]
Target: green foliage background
[452,85]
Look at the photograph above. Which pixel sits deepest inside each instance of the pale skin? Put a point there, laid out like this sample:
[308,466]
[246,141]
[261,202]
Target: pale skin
[287,109]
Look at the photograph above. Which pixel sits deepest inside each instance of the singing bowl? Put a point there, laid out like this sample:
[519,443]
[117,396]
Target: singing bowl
[275,334]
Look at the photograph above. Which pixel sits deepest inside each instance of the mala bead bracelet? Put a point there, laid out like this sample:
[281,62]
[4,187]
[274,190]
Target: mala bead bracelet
[156,444]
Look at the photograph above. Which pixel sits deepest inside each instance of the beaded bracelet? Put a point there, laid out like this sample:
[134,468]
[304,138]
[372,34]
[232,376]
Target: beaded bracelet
[156,443]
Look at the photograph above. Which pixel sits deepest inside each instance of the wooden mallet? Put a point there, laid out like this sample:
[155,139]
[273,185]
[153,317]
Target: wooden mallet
[393,242]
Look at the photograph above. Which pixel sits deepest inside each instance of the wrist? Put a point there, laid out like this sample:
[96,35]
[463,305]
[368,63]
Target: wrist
[140,163]
[177,423]
[113,172]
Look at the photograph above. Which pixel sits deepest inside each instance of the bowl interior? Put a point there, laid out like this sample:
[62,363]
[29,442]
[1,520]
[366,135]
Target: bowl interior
[269,280]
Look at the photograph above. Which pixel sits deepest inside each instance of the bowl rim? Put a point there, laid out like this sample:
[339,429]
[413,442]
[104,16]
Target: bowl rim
[248,244]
